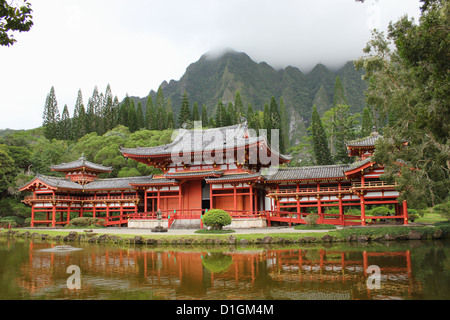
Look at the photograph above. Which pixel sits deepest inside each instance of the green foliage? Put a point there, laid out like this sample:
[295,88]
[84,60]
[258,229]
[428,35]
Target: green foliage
[443,209]
[86,222]
[378,211]
[217,262]
[216,219]
[14,18]
[311,219]
[322,153]
[410,86]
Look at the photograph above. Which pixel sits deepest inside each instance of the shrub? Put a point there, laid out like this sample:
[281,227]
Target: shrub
[311,219]
[216,219]
[86,222]
[379,211]
[443,209]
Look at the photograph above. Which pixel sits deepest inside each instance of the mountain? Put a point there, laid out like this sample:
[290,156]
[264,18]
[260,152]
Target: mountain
[219,77]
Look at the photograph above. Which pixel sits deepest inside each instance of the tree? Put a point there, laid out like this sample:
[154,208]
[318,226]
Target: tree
[339,94]
[340,126]
[185,112]
[366,123]
[216,219]
[132,117]
[160,111]
[195,112]
[284,126]
[412,82]
[139,116]
[14,18]
[238,108]
[204,116]
[65,127]
[149,114]
[221,114]
[170,116]
[322,153]
[77,121]
[51,116]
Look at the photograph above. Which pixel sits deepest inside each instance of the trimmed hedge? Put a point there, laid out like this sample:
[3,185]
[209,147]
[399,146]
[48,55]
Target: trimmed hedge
[216,219]
[86,222]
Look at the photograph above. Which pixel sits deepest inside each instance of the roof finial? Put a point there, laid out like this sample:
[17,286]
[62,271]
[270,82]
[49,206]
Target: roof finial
[83,157]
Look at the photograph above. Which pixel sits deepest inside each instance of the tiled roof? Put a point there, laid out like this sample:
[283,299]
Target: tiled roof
[365,142]
[358,164]
[100,184]
[235,177]
[116,183]
[201,140]
[80,163]
[309,173]
[186,174]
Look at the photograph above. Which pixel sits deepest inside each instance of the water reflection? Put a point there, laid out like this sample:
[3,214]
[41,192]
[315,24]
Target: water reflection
[29,272]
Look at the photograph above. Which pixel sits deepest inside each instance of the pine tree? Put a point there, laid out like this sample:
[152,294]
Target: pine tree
[267,121]
[108,111]
[170,116]
[51,116]
[204,116]
[139,117]
[221,115]
[77,122]
[160,111]
[322,153]
[366,123]
[90,115]
[185,112]
[275,119]
[238,108]
[339,94]
[230,116]
[132,117]
[149,114]
[123,111]
[195,112]
[284,126]
[65,125]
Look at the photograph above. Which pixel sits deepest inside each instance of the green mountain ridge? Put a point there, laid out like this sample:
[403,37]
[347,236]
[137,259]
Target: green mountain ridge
[212,78]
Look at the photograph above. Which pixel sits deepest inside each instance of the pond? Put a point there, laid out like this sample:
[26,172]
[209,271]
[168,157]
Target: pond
[410,270]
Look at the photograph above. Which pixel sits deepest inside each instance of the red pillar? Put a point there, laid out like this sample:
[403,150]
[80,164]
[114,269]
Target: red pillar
[251,198]
[405,212]
[32,215]
[363,211]
[54,214]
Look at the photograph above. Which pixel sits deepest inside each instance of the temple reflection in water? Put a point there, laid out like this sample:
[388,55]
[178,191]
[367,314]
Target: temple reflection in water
[145,273]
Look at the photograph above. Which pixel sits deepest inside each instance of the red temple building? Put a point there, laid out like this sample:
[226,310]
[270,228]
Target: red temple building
[222,168]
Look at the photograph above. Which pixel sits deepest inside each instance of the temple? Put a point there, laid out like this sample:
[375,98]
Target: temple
[222,168]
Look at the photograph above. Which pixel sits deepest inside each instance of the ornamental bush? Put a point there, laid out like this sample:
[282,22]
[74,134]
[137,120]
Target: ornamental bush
[216,219]
[86,222]
[311,219]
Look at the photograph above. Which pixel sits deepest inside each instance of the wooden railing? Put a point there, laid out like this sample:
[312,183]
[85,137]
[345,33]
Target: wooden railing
[75,198]
[373,184]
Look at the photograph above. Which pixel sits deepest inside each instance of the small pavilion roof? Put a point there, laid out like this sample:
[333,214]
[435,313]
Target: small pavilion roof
[80,164]
[365,142]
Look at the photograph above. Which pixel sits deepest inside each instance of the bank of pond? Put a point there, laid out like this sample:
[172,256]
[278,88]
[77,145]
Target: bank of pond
[349,234]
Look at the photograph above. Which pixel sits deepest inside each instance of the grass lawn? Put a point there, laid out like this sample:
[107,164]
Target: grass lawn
[430,218]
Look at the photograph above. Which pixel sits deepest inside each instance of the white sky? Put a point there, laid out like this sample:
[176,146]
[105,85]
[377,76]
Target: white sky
[135,45]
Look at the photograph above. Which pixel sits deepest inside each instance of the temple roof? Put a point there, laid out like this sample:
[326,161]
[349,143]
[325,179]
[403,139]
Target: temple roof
[194,174]
[100,184]
[80,164]
[309,173]
[197,140]
[236,177]
[365,142]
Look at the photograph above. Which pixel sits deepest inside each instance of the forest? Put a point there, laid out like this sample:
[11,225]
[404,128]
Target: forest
[407,97]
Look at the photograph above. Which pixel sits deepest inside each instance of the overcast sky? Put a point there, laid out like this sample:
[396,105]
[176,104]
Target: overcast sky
[135,45]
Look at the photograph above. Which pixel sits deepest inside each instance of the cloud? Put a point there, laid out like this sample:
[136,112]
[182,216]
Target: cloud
[135,45]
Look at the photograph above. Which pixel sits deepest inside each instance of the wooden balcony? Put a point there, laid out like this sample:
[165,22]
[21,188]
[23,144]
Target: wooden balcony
[284,193]
[64,198]
[373,185]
